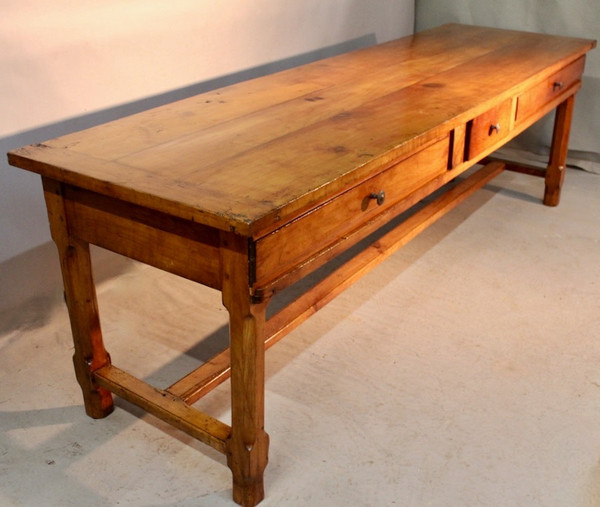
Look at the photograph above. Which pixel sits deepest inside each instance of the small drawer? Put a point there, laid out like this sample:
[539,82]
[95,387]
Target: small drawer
[489,128]
[294,243]
[541,93]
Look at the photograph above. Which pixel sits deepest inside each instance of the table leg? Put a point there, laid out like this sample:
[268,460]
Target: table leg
[247,452]
[555,173]
[80,295]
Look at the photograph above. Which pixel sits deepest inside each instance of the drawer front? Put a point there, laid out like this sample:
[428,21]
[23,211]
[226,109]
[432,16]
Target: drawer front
[489,128]
[290,245]
[542,93]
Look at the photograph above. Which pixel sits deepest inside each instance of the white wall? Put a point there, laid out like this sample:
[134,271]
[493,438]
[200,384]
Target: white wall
[67,65]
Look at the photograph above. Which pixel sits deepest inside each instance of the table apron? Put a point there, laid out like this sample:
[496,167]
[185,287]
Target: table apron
[184,248]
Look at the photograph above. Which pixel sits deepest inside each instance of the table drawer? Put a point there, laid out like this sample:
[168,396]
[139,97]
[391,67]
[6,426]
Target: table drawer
[489,128]
[290,245]
[540,94]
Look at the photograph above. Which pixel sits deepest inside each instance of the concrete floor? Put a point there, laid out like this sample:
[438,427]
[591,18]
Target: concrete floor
[464,371]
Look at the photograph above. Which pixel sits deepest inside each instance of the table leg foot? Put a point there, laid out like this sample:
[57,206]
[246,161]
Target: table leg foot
[247,464]
[97,400]
[553,187]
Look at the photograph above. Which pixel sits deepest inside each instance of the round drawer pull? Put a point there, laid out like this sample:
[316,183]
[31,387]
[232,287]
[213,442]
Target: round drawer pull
[379,197]
[495,127]
[557,85]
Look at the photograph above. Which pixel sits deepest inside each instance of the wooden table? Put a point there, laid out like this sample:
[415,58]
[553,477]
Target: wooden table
[249,188]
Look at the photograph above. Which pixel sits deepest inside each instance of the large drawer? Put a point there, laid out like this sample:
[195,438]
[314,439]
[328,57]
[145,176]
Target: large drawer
[283,249]
[489,128]
[541,93]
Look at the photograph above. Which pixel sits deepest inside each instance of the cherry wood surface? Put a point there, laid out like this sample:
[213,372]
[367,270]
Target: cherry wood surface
[250,188]
[251,155]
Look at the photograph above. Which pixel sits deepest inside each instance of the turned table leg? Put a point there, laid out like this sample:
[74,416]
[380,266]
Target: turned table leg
[555,173]
[248,444]
[80,295]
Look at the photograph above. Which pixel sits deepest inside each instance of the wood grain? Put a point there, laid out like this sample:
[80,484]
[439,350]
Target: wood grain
[284,248]
[80,296]
[247,447]
[164,406]
[530,101]
[253,156]
[249,188]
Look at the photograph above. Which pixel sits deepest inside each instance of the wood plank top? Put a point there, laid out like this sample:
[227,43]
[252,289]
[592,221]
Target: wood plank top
[253,155]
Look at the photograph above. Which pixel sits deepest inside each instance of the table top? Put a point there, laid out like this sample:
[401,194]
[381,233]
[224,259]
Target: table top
[255,154]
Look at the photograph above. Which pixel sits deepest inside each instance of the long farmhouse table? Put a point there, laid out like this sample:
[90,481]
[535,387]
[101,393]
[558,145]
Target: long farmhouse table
[249,188]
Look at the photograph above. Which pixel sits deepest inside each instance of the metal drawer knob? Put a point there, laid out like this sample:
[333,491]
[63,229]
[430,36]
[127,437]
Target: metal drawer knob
[495,127]
[557,85]
[379,197]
